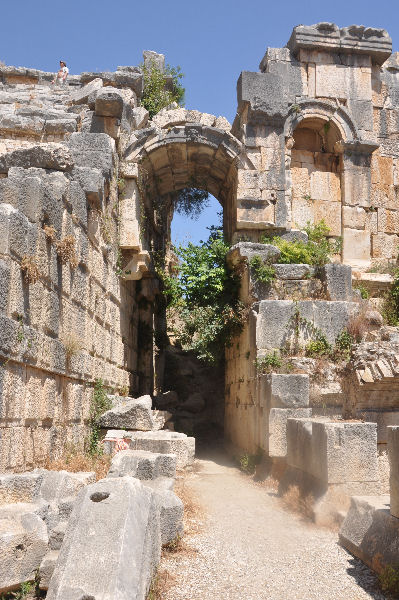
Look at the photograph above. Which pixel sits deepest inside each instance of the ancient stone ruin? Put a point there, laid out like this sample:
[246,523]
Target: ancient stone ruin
[87,183]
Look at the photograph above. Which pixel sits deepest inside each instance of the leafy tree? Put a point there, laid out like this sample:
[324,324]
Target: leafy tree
[205,295]
[190,202]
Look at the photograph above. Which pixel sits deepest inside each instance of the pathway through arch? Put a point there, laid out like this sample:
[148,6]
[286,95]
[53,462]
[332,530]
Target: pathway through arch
[250,548]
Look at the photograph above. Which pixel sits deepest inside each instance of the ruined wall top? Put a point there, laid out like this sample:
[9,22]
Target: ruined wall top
[355,39]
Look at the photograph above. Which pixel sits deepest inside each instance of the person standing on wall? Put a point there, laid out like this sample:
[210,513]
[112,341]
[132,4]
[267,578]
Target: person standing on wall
[62,74]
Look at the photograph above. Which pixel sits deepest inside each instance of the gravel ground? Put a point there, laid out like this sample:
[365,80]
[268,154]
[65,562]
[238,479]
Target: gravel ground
[249,548]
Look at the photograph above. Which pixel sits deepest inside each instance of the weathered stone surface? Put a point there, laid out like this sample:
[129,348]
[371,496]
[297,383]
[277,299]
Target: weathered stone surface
[81,96]
[277,429]
[142,465]
[338,281]
[370,532]
[284,391]
[23,543]
[112,543]
[109,103]
[45,156]
[165,442]
[46,569]
[247,250]
[170,515]
[293,271]
[155,59]
[134,414]
[94,150]
[20,487]
[393,454]
[275,320]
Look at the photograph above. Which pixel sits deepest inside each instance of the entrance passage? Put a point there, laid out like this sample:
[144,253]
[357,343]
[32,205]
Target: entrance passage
[249,548]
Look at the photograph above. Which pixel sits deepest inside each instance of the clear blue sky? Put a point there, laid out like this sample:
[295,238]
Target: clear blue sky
[212,40]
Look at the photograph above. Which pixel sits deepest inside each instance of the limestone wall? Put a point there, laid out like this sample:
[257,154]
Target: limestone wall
[76,319]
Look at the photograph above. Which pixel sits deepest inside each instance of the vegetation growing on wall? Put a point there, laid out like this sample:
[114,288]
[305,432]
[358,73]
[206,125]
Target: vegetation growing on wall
[157,94]
[100,404]
[316,251]
[204,293]
[390,310]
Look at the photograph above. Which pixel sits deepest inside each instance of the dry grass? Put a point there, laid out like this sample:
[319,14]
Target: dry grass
[66,251]
[75,461]
[358,325]
[72,344]
[30,269]
[193,512]
[50,233]
[294,501]
[161,584]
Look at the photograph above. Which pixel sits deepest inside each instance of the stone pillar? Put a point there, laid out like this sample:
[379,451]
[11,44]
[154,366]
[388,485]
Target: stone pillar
[393,455]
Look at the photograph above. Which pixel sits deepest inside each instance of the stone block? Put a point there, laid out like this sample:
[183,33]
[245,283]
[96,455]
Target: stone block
[171,511]
[135,414]
[356,247]
[337,280]
[284,391]
[330,213]
[94,150]
[247,250]
[277,429]
[354,217]
[393,455]
[81,96]
[370,532]
[142,464]
[112,544]
[56,535]
[23,543]
[109,103]
[293,271]
[384,245]
[46,569]
[55,486]
[45,156]
[165,442]
[20,487]
[356,187]
[91,181]
[274,328]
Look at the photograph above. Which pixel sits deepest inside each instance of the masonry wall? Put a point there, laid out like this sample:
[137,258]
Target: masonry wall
[78,322]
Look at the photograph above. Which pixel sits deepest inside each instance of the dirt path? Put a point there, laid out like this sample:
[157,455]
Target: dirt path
[249,548]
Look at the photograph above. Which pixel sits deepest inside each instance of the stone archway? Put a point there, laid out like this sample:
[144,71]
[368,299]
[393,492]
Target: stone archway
[181,149]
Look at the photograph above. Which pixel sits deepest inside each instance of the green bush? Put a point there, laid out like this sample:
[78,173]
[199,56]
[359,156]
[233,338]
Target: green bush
[316,251]
[364,293]
[155,95]
[263,272]
[100,403]
[318,347]
[268,363]
[389,580]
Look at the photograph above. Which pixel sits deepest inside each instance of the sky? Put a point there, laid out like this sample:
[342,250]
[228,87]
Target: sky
[211,40]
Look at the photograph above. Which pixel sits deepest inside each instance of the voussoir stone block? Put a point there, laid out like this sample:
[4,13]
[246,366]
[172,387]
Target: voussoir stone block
[23,543]
[112,543]
[134,414]
[142,464]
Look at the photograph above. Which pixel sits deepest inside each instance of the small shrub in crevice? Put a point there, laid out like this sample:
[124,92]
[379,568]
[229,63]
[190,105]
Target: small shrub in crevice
[72,344]
[30,269]
[364,293]
[389,580]
[390,310]
[249,462]
[263,272]
[155,94]
[100,404]
[66,251]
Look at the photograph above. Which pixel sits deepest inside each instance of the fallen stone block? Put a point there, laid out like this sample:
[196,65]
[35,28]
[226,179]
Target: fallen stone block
[81,95]
[165,442]
[134,414]
[45,156]
[142,465]
[23,543]
[112,544]
[298,271]
[58,485]
[57,535]
[170,515]
[370,532]
[46,569]
[20,487]
[278,417]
